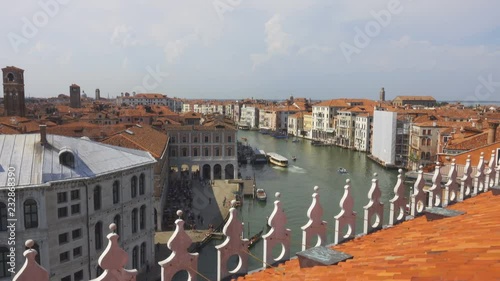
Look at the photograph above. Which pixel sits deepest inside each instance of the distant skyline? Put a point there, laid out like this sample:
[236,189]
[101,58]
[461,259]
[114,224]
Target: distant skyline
[234,49]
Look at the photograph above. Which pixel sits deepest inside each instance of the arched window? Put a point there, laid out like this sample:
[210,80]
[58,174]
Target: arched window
[3,217]
[98,235]
[134,258]
[133,187]
[143,253]
[4,267]
[116,192]
[422,142]
[422,156]
[428,142]
[118,221]
[142,184]
[173,152]
[229,139]
[30,214]
[134,220]
[142,219]
[97,198]
[428,156]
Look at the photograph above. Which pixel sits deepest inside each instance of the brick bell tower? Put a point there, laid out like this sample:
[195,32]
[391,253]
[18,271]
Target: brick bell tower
[13,91]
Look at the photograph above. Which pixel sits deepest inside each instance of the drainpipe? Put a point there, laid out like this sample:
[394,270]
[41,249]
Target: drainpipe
[88,228]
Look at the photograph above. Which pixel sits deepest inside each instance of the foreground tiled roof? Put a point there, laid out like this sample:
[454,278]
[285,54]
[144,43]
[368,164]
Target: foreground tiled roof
[465,247]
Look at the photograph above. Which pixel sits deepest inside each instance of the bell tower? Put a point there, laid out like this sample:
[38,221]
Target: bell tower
[13,91]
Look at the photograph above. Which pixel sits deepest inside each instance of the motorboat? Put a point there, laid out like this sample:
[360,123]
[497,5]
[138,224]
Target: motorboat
[296,140]
[342,170]
[261,195]
[277,159]
[294,158]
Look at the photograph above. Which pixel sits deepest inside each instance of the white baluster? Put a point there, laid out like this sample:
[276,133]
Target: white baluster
[418,196]
[479,177]
[374,208]
[490,172]
[436,190]
[277,235]
[346,216]
[180,259]
[398,203]
[113,259]
[233,245]
[31,270]
[466,181]
[315,227]
[451,187]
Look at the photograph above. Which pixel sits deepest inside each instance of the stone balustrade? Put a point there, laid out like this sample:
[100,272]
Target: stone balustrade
[113,259]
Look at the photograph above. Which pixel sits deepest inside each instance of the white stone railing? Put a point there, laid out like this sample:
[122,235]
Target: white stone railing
[113,259]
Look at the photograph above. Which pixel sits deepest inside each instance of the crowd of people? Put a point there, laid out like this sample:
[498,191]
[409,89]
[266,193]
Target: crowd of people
[180,197]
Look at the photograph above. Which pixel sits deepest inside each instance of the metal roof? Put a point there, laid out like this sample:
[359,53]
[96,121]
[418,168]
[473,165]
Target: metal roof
[35,164]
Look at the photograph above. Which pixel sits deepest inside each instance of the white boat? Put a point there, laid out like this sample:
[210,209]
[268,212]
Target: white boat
[261,195]
[277,159]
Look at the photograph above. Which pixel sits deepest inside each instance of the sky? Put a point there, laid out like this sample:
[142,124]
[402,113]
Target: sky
[235,49]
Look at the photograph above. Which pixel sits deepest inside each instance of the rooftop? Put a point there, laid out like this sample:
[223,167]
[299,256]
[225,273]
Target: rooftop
[448,249]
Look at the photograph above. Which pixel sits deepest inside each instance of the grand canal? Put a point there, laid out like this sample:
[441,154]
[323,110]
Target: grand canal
[315,166]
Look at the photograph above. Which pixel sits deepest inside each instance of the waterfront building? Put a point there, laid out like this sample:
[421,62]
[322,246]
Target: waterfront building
[150,99]
[249,115]
[296,124]
[384,137]
[13,91]
[363,132]
[155,142]
[346,123]
[209,150]
[68,190]
[427,101]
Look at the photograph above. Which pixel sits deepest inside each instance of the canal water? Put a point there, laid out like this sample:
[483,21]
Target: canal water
[315,166]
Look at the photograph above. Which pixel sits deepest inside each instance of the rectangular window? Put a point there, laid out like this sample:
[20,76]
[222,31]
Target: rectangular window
[63,238]
[62,212]
[75,209]
[206,138]
[62,197]
[75,194]
[64,257]
[77,252]
[67,278]
[77,233]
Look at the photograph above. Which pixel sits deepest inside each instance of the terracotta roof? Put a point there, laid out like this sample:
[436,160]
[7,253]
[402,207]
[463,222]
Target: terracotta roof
[344,102]
[415,98]
[472,142]
[143,138]
[465,247]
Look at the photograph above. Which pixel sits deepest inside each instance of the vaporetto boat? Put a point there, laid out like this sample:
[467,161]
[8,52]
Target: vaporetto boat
[277,159]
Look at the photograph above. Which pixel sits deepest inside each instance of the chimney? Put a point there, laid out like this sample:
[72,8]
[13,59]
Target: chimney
[43,134]
[492,131]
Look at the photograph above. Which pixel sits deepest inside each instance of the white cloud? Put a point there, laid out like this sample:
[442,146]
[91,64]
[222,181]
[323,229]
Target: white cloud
[65,58]
[125,63]
[315,49]
[123,36]
[277,40]
[174,49]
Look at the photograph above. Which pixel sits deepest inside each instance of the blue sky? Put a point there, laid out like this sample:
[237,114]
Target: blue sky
[263,49]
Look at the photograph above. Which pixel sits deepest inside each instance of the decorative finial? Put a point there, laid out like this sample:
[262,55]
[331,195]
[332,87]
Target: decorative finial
[374,175]
[453,160]
[233,203]
[437,163]
[468,156]
[400,171]
[420,167]
[347,181]
[316,188]
[277,195]
[29,243]
[179,214]
[482,153]
[112,227]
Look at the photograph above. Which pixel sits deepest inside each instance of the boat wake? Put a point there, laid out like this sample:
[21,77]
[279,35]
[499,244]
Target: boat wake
[292,169]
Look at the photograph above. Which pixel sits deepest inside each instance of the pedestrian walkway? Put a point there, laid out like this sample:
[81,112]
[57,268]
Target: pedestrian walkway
[209,203]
